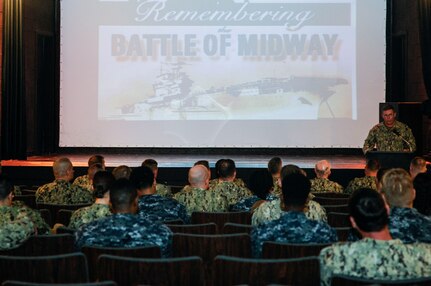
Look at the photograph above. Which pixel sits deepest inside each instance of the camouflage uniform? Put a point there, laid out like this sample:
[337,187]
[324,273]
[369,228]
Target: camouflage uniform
[292,227]
[321,185]
[163,190]
[359,183]
[84,181]
[63,192]
[385,139]
[125,230]
[277,188]
[200,200]
[272,210]
[231,191]
[17,190]
[14,230]
[162,209]
[378,259]
[34,215]
[237,181]
[246,204]
[408,225]
[88,214]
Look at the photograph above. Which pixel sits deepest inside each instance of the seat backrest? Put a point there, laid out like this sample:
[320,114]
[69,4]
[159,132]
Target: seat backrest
[151,271]
[274,250]
[20,283]
[202,228]
[343,233]
[46,215]
[93,252]
[331,195]
[336,208]
[231,228]
[29,200]
[39,245]
[336,219]
[63,216]
[64,229]
[343,280]
[63,268]
[237,271]
[54,208]
[220,218]
[331,201]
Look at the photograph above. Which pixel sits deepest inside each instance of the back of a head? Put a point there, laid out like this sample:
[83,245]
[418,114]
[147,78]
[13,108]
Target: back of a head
[6,187]
[227,168]
[142,177]
[96,159]
[296,188]
[368,209]
[397,187]
[122,195]
[290,169]
[102,182]
[61,166]
[204,163]
[150,163]
[198,175]
[372,165]
[274,165]
[418,165]
[93,169]
[322,168]
[122,171]
[217,166]
[261,183]
[422,185]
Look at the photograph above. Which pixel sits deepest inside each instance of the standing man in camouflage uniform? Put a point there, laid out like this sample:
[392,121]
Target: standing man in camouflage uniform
[61,191]
[124,228]
[293,226]
[196,197]
[405,222]
[390,135]
[152,205]
[85,180]
[377,255]
[322,184]
[369,181]
[161,189]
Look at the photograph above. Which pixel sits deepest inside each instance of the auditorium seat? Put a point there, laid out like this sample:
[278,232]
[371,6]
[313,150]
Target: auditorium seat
[54,208]
[220,218]
[276,250]
[38,245]
[28,200]
[338,219]
[202,228]
[63,216]
[331,200]
[20,283]
[331,195]
[231,228]
[336,208]
[343,233]
[343,280]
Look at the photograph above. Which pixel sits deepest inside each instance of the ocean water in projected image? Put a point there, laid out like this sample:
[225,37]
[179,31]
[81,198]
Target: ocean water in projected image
[271,98]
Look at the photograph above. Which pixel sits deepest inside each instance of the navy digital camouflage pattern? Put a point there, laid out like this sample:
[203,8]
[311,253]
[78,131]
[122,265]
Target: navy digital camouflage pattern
[272,210]
[231,191]
[14,231]
[246,204]
[125,230]
[63,192]
[34,215]
[88,214]
[360,183]
[292,227]
[200,200]
[408,225]
[322,185]
[163,190]
[159,208]
[389,139]
[377,259]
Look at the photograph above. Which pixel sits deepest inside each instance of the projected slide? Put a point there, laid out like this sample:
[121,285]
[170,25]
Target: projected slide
[225,73]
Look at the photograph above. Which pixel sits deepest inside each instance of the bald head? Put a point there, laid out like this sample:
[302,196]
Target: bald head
[322,169]
[63,169]
[199,177]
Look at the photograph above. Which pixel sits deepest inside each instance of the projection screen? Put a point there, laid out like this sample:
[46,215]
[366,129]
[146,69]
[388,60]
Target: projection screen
[227,73]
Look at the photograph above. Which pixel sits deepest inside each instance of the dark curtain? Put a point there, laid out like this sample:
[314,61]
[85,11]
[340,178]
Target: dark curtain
[425,40]
[13,120]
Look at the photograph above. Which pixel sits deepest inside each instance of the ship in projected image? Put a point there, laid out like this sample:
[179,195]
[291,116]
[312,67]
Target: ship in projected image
[269,98]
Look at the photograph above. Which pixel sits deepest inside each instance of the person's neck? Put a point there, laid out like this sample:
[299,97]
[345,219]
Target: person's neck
[102,201]
[383,234]
[148,191]
[291,208]
[228,179]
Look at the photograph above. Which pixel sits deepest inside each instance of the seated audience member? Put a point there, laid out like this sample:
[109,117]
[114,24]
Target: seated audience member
[369,181]
[377,255]
[274,167]
[422,185]
[293,226]
[405,222]
[161,189]
[122,172]
[204,163]
[197,197]
[417,165]
[226,183]
[14,232]
[261,184]
[272,210]
[85,180]
[152,205]
[214,182]
[124,228]
[102,182]
[92,170]
[27,221]
[61,191]
[321,183]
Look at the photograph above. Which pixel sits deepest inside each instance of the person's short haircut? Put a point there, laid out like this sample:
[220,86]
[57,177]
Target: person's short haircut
[290,169]
[61,166]
[418,164]
[397,187]
[122,171]
[322,168]
[388,106]
[422,185]
[261,183]
[197,175]
[274,165]
[93,169]
[372,165]
[122,194]
[204,163]
[296,188]
[367,207]
[96,159]
[217,166]
[6,187]
[227,168]
[102,182]
[142,177]
[150,163]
